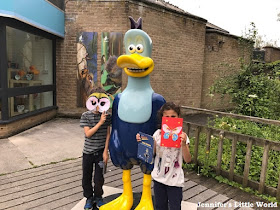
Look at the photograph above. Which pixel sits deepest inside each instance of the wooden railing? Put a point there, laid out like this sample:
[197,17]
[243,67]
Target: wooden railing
[268,145]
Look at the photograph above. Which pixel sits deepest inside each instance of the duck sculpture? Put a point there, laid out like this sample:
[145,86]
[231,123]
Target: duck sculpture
[134,110]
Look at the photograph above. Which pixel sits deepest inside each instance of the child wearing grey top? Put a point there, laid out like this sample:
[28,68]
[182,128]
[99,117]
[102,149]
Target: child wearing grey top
[97,135]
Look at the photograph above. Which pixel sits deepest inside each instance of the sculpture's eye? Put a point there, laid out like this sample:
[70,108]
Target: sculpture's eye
[131,48]
[102,103]
[93,102]
[139,48]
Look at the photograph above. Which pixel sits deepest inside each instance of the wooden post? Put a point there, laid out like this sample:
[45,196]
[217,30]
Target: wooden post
[196,143]
[208,143]
[208,140]
[278,190]
[247,162]
[264,167]
[232,160]
[188,129]
[220,153]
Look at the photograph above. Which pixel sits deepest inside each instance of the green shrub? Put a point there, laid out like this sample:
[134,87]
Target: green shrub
[255,90]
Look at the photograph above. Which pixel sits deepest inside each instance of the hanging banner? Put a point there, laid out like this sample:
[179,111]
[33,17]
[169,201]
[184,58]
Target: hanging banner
[86,65]
[111,74]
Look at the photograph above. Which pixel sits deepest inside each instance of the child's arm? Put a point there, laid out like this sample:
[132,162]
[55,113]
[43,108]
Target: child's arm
[106,149]
[155,144]
[90,131]
[185,148]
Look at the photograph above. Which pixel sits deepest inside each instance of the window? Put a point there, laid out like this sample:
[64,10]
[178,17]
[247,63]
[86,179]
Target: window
[27,103]
[29,59]
[27,72]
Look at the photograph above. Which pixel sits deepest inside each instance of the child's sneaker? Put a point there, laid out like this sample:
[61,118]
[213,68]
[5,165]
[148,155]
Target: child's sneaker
[89,203]
[99,202]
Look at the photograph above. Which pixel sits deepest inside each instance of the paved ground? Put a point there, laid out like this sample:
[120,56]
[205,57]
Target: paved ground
[53,141]
[56,147]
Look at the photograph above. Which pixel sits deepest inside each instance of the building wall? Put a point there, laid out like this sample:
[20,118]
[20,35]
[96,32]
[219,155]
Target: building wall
[178,48]
[271,54]
[7,130]
[222,54]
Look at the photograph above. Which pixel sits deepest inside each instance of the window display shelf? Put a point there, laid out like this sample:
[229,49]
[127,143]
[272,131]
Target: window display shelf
[30,97]
[29,82]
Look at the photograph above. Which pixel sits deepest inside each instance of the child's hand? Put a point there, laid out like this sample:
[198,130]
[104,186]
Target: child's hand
[103,118]
[138,138]
[183,137]
[105,156]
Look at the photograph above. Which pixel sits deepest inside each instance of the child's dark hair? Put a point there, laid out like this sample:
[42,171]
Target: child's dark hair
[165,107]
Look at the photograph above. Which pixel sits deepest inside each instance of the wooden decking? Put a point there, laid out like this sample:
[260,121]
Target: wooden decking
[58,186]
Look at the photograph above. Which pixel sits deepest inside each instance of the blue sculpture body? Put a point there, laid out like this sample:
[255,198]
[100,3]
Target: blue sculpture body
[123,146]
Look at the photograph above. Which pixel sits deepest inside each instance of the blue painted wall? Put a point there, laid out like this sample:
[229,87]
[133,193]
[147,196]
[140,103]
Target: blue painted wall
[38,13]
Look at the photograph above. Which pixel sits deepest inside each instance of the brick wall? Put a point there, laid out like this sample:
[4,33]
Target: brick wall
[271,54]
[15,127]
[178,48]
[222,53]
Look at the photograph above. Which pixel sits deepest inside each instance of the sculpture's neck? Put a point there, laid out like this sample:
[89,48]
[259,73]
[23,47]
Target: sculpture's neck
[138,84]
[135,105]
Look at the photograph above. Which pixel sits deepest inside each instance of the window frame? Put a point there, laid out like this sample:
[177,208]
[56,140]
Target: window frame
[5,91]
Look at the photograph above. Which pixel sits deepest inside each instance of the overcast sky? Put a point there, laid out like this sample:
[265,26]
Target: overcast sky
[236,16]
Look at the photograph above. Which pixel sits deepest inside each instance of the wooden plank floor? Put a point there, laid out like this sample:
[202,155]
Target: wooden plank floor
[58,186]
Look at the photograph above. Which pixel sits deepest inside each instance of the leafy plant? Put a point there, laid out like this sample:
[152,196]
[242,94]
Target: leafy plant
[255,90]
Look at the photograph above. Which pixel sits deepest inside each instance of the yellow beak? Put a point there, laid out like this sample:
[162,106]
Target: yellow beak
[136,65]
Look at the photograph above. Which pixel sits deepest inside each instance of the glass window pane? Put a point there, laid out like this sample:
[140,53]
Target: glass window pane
[29,59]
[28,103]
[47,99]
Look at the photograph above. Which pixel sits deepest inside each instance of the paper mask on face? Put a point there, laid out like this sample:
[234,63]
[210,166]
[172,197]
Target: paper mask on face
[100,100]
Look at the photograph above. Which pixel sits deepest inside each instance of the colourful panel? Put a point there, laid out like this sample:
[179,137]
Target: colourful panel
[111,74]
[86,65]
